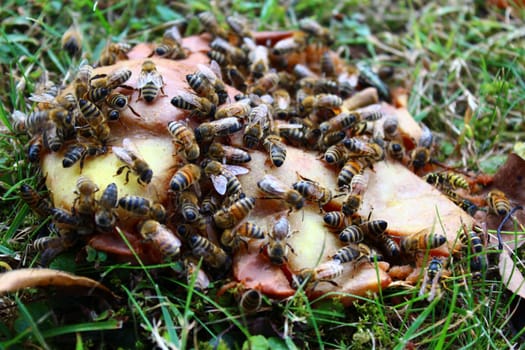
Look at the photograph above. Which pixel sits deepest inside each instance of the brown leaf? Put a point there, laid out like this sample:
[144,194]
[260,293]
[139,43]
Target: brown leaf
[510,275]
[16,280]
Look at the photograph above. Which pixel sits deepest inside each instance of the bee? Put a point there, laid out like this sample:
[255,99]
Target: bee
[118,102]
[136,205]
[82,78]
[352,234]
[342,121]
[228,154]
[199,106]
[239,26]
[72,41]
[277,247]
[40,205]
[235,77]
[149,82]
[212,255]
[33,123]
[53,246]
[313,191]
[336,154]
[219,57]
[78,152]
[209,205]
[223,177]
[239,109]
[352,203]
[321,101]
[63,217]
[201,83]
[498,202]
[359,148]
[92,114]
[327,64]
[285,46]
[250,301]
[189,206]
[258,124]
[105,217]
[389,245]
[265,84]
[214,76]
[84,204]
[53,138]
[232,238]
[420,155]
[337,220]
[325,272]
[367,77]
[196,276]
[97,94]
[186,176]
[163,238]
[35,149]
[313,28]
[171,45]
[258,58]
[209,23]
[351,168]
[112,80]
[235,54]
[229,217]
[448,179]
[273,187]
[281,100]
[421,241]
[129,155]
[114,52]
[184,136]
[206,131]
[369,113]
[275,148]
[396,150]
[432,275]
[347,254]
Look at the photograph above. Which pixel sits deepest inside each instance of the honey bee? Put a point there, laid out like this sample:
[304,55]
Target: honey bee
[258,58]
[396,150]
[239,109]
[53,246]
[184,136]
[446,179]
[282,102]
[196,276]
[189,206]
[352,234]
[327,64]
[206,131]
[342,121]
[371,150]
[369,113]
[314,29]
[171,45]
[277,247]
[199,106]
[53,138]
[321,101]
[239,26]
[149,82]
[209,205]
[250,301]
[265,84]
[212,255]
[35,148]
[498,202]
[228,154]
[422,240]
[229,217]
[351,168]
[40,205]
[325,272]
[337,220]
[157,212]
[235,77]
[71,41]
[258,124]
[136,205]
[347,254]
[273,187]
[235,54]
[275,148]
[389,245]
[84,204]
[97,94]
[201,83]
[313,191]
[114,52]
[186,176]
[336,154]
[213,74]
[92,114]
[163,238]
[232,238]
[432,275]
[82,78]
[420,155]
[119,101]
[129,155]
[223,177]
[285,46]
[209,23]
[112,80]
[105,217]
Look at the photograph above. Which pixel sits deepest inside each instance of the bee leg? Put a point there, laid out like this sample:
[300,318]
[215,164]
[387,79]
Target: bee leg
[163,93]
[134,112]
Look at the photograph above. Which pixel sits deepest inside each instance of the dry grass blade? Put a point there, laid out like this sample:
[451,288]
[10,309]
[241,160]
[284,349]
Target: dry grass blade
[510,274]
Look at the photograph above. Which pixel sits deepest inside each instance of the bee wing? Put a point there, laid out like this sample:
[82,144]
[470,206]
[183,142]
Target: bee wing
[272,185]
[289,126]
[219,183]
[18,116]
[149,77]
[191,99]
[173,33]
[236,169]
[122,154]
[207,72]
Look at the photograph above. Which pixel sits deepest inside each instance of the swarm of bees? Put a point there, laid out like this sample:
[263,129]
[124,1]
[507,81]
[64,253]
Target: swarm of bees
[281,103]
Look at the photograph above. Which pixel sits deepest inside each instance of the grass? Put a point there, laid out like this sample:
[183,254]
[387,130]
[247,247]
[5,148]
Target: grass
[462,64]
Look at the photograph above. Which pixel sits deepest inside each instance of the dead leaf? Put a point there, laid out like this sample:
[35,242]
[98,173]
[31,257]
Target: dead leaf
[510,275]
[13,281]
